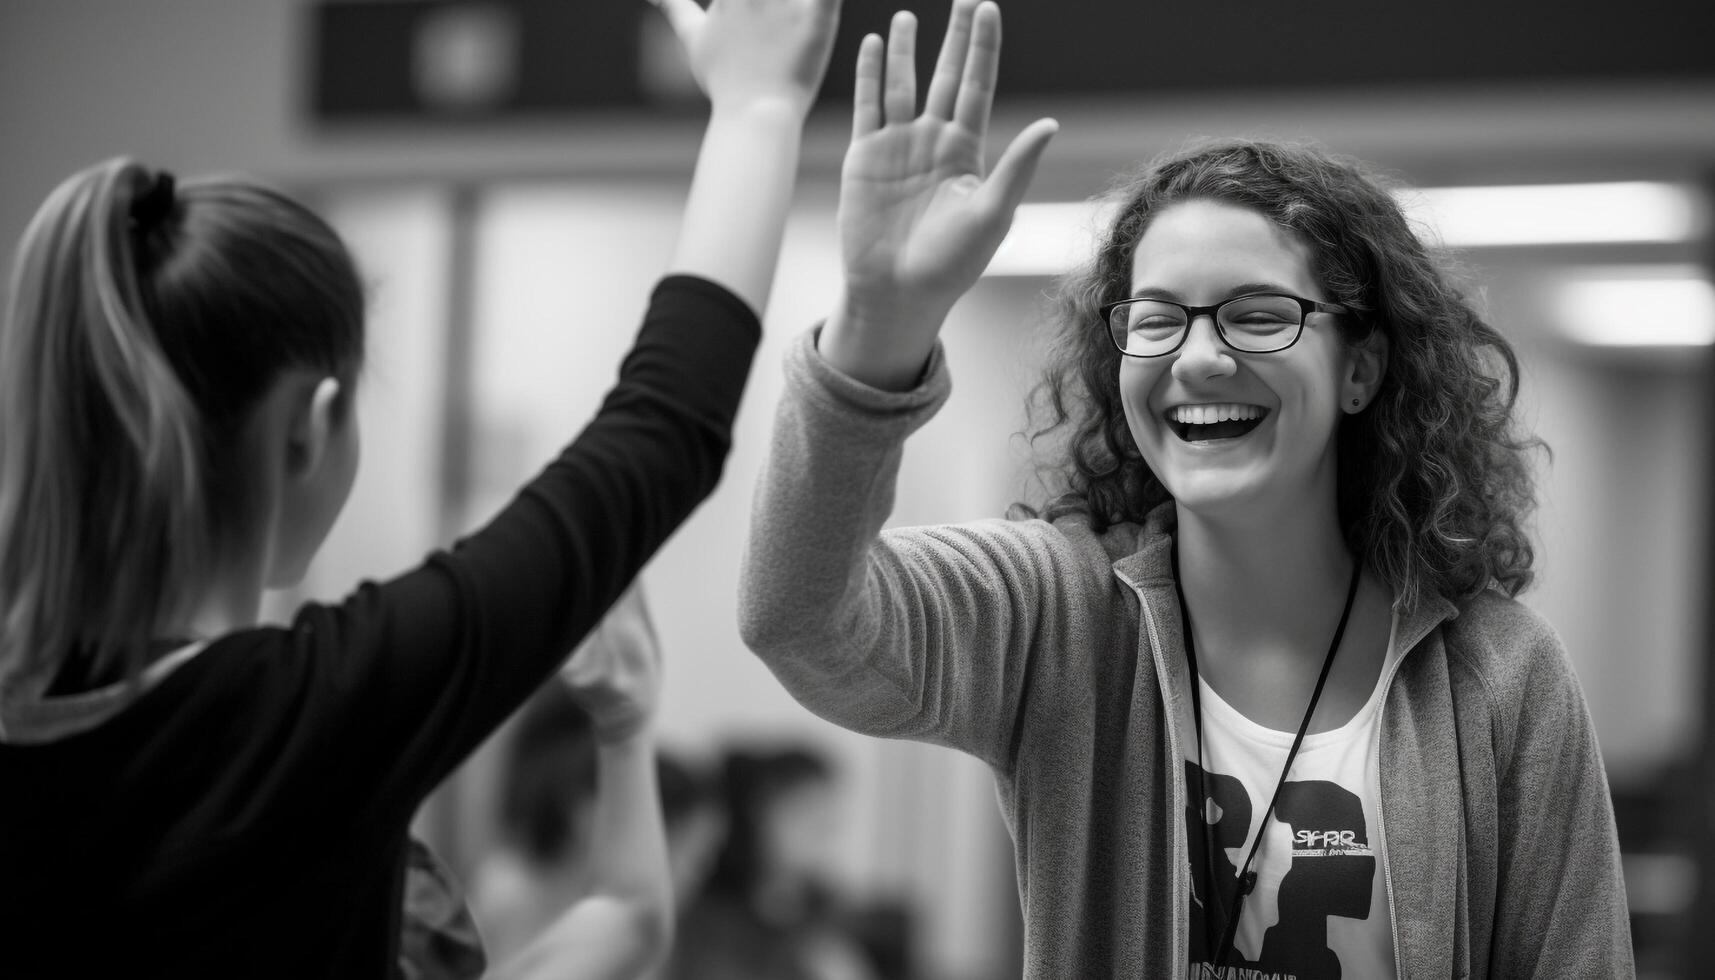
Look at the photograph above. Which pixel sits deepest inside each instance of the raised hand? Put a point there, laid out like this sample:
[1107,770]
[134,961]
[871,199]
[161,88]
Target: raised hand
[745,51]
[918,219]
[615,674]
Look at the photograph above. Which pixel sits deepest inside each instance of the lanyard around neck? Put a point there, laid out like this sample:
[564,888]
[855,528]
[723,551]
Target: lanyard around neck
[1247,877]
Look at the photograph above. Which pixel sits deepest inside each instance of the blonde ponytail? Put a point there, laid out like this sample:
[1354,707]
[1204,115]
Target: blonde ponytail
[100,450]
[112,434]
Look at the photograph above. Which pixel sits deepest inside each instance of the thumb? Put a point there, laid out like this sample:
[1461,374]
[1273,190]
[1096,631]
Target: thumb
[1011,176]
[685,17]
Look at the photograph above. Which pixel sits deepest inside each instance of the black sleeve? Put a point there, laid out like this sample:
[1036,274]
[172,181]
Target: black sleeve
[404,679]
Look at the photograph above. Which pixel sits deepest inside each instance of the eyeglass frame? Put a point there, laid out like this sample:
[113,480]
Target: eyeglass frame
[1305,306]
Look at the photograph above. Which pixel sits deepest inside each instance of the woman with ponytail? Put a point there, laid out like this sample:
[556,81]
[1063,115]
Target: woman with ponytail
[189,793]
[148,322]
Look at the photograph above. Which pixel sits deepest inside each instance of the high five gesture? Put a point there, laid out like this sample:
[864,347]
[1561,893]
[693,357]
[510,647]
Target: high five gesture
[919,220]
[760,62]
[747,51]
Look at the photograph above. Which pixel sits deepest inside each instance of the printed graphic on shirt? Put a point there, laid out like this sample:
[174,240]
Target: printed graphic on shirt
[1331,873]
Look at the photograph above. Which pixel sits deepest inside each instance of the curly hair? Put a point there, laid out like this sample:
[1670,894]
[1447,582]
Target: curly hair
[1435,485]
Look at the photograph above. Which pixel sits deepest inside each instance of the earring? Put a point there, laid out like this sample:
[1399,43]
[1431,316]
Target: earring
[1354,403]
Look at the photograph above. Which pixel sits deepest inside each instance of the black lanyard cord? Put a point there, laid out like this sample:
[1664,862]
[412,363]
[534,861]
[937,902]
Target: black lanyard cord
[1247,877]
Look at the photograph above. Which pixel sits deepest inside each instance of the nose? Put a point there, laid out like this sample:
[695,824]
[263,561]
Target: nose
[1203,356]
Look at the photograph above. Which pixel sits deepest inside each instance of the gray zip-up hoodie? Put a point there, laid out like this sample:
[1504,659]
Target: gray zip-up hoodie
[1055,655]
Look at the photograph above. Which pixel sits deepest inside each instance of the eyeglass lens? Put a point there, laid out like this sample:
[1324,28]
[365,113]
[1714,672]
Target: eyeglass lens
[1257,324]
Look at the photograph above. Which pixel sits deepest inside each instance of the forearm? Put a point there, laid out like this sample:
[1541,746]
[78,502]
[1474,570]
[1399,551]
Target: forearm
[825,491]
[880,340]
[918,633]
[845,642]
[735,215]
[628,854]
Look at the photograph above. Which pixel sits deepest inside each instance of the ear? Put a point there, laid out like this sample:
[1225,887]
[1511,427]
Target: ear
[315,413]
[1366,365]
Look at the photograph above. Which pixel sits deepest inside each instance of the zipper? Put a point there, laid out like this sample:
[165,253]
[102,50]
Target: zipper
[1181,847]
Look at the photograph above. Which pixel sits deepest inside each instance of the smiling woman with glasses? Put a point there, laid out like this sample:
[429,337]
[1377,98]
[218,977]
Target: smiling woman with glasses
[1254,686]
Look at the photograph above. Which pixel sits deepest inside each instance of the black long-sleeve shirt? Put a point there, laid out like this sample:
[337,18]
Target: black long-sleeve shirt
[246,815]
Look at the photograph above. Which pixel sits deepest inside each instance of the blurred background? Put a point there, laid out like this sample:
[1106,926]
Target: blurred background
[510,172]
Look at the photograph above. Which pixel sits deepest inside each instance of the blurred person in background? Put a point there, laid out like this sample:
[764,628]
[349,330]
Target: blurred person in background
[770,909]
[561,835]
[582,829]
[211,796]
[546,809]
[694,811]
[694,808]
[570,822]
[1254,687]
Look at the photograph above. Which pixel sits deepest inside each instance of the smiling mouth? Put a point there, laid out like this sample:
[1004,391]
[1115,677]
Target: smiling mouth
[1206,423]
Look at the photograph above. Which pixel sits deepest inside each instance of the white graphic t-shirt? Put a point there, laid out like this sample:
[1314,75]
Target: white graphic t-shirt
[1319,910]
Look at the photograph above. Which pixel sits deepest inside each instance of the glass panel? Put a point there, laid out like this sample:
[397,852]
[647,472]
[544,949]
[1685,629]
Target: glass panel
[1147,326]
[1264,320]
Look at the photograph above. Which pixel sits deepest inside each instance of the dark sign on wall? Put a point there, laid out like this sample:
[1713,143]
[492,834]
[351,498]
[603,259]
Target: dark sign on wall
[380,59]
[376,60]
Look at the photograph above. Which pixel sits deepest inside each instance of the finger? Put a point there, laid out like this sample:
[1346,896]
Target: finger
[685,17]
[1005,187]
[950,65]
[900,98]
[866,91]
[982,65]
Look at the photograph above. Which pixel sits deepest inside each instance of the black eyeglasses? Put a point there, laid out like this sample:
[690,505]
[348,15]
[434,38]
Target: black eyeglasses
[1256,323]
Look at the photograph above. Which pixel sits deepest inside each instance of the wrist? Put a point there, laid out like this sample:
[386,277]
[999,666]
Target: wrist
[880,342]
[887,309]
[768,110]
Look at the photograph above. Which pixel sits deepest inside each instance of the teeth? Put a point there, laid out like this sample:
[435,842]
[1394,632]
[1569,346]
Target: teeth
[1210,414]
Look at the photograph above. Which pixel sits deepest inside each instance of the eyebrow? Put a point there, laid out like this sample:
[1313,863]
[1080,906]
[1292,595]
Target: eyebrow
[1241,289]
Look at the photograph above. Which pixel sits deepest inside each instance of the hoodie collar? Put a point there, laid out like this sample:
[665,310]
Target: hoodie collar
[35,720]
[1148,565]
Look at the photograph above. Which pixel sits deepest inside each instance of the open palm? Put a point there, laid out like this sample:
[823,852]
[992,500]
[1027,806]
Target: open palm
[918,218]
